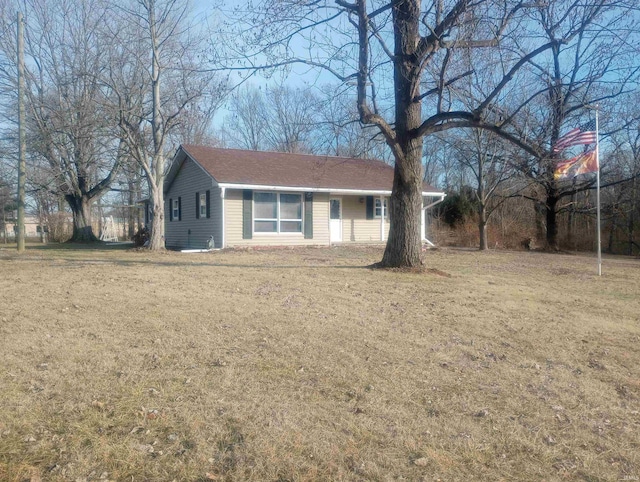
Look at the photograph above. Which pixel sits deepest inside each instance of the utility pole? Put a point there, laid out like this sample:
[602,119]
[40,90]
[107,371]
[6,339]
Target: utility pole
[22,144]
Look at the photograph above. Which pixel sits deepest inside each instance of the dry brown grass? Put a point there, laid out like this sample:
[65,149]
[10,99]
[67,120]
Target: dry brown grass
[303,365]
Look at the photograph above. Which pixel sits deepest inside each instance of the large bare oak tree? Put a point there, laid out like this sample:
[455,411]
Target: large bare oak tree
[67,124]
[590,65]
[406,59]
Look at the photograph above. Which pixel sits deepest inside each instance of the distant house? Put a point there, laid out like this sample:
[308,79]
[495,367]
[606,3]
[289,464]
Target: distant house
[228,198]
[32,228]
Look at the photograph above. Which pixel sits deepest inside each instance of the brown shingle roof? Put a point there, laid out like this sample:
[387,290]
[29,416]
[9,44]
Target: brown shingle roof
[236,166]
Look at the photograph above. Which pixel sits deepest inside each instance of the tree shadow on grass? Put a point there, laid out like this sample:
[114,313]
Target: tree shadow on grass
[97,246]
[186,264]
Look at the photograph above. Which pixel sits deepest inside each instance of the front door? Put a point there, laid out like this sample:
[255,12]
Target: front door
[335,220]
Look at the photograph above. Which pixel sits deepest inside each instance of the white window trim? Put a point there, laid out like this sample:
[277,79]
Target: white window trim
[376,209]
[278,219]
[176,210]
[202,206]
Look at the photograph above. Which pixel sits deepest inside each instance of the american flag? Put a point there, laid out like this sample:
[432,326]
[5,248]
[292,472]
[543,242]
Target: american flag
[585,134]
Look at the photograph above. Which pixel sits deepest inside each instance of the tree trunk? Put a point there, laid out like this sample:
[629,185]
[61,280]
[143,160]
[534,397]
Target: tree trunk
[630,252]
[40,220]
[81,211]
[482,227]
[540,212]
[482,208]
[131,221]
[404,244]
[571,217]
[156,238]
[612,230]
[630,225]
[552,221]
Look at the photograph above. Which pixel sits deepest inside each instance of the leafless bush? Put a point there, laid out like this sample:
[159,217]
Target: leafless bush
[59,227]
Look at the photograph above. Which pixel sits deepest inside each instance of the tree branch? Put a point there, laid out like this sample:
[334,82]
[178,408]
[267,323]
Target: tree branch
[509,75]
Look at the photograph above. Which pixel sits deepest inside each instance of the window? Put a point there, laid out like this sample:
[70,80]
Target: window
[290,213]
[277,212]
[176,210]
[266,212]
[334,209]
[202,205]
[378,210]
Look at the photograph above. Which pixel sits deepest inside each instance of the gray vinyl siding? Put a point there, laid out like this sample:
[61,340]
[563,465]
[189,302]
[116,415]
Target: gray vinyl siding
[216,215]
[190,232]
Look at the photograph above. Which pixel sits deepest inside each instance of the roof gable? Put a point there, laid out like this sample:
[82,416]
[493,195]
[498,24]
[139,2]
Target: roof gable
[278,169]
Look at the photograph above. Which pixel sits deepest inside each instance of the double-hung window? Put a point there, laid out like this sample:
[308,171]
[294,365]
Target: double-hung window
[277,212]
[378,209]
[202,205]
[176,209]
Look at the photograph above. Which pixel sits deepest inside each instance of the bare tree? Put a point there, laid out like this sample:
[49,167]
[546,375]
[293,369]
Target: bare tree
[434,152]
[131,187]
[7,197]
[338,130]
[195,122]
[280,118]
[67,124]
[590,62]
[485,157]
[246,125]
[621,201]
[292,117]
[419,45]
[158,79]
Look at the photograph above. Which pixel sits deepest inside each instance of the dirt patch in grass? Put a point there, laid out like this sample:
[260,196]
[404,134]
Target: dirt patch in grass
[302,364]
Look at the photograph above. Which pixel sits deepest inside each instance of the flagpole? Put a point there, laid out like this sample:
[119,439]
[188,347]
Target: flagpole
[599,242]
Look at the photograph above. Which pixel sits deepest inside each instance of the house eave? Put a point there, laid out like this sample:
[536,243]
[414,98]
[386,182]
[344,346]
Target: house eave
[337,191]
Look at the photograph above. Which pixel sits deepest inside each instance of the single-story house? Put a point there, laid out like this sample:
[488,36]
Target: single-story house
[229,198]
[32,227]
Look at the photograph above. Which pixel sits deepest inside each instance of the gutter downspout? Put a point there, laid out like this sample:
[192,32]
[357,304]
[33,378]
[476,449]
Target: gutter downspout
[424,220]
[222,192]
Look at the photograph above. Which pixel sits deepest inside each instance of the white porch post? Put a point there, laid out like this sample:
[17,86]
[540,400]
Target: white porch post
[424,218]
[222,192]
[381,218]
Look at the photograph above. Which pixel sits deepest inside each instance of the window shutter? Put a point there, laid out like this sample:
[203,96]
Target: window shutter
[308,215]
[208,204]
[146,214]
[197,205]
[170,209]
[247,213]
[179,208]
[369,207]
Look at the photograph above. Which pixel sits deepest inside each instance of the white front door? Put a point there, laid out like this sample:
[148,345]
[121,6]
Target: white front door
[335,220]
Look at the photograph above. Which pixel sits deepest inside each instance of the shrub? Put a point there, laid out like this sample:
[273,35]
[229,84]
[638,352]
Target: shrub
[141,238]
